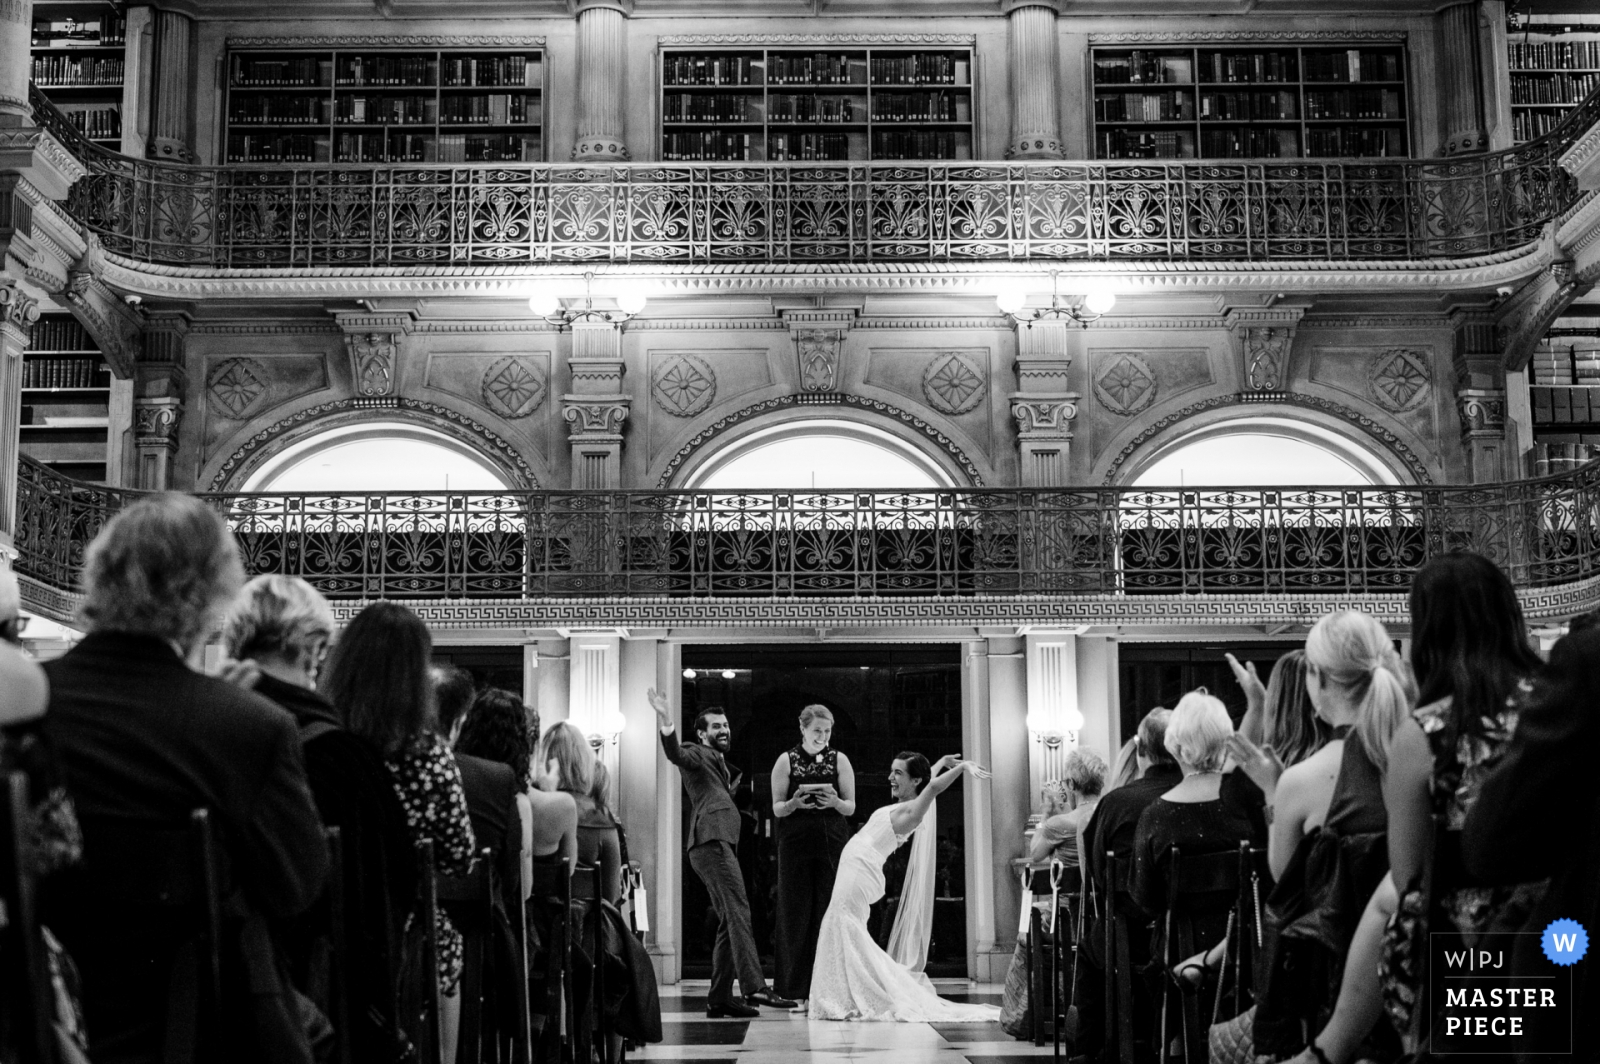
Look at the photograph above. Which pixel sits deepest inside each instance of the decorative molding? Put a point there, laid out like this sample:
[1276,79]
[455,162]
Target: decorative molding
[999,321]
[953,384]
[514,387]
[818,352]
[683,384]
[705,325]
[234,385]
[391,41]
[595,417]
[17,309]
[156,422]
[1389,439]
[1399,378]
[1483,411]
[1374,321]
[791,40]
[1242,36]
[372,362]
[1127,386]
[336,412]
[1044,418]
[448,328]
[240,328]
[768,406]
[1266,358]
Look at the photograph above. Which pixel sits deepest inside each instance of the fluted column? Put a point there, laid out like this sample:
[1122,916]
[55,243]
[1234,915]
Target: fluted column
[174,109]
[1042,406]
[1033,54]
[16,29]
[18,312]
[1461,80]
[596,408]
[602,79]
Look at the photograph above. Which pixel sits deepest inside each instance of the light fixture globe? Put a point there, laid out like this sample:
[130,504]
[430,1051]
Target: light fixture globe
[631,300]
[1099,301]
[612,723]
[1011,300]
[544,302]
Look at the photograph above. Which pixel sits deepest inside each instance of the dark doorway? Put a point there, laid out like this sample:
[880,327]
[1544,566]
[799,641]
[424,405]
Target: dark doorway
[490,666]
[1158,674]
[885,698]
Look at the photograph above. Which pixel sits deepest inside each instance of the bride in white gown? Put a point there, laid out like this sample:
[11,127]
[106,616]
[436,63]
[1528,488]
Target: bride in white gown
[853,978]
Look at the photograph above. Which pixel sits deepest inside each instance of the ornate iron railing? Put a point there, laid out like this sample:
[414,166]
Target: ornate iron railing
[499,214]
[555,544]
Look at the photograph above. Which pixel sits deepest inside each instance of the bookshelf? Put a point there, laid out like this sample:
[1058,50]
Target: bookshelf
[1564,396]
[1554,63]
[1230,102]
[79,59]
[787,105]
[368,106]
[66,397]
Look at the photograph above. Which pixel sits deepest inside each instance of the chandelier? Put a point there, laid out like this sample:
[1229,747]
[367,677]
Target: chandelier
[546,302]
[1097,302]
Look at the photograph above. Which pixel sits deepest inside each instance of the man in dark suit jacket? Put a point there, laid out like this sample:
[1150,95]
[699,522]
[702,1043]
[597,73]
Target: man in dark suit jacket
[1538,816]
[142,735]
[713,841]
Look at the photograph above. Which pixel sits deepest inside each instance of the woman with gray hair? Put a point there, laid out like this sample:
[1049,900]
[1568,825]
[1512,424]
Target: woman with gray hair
[1069,802]
[284,627]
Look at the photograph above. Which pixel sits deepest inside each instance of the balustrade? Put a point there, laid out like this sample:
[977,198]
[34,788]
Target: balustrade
[792,545]
[287,216]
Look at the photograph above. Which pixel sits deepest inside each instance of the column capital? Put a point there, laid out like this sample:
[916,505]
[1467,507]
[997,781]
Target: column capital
[1008,6]
[18,312]
[156,422]
[1483,412]
[578,7]
[1044,417]
[595,418]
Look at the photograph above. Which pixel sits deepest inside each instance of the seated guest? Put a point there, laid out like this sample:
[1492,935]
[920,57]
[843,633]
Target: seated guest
[378,675]
[1069,803]
[22,687]
[142,735]
[454,690]
[283,626]
[569,768]
[495,752]
[1124,768]
[1192,815]
[1116,815]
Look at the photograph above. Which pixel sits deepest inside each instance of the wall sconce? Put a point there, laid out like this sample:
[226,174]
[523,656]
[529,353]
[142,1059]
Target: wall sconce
[1053,729]
[608,729]
[546,303]
[1097,302]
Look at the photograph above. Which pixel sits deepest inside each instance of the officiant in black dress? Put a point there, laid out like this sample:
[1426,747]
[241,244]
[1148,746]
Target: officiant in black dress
[813,794]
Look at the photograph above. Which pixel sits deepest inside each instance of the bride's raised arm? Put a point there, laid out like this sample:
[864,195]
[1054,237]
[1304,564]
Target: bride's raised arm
[949,768]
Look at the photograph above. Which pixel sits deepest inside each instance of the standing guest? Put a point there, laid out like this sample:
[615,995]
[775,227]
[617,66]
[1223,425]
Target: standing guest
[283,626]
[1117,813]
[1472,661]
[1069,803]
[493,735]
[1125,767]
[713,835]
[378,674]
[142,735]
[455,690]
[813,795]
[567,764]
[1538,814]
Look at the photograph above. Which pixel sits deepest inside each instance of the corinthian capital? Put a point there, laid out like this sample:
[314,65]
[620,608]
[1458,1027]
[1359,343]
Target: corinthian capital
[593,417]
[1044,417]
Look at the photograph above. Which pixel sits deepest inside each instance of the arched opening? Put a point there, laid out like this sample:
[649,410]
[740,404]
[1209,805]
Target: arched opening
[1262,452]
[821,453]
[377,456]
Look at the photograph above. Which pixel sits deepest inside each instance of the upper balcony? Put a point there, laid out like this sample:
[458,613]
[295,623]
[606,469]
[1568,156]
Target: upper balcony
[430,218]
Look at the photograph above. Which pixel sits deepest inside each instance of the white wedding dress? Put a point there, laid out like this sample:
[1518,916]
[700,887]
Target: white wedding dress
[853,978]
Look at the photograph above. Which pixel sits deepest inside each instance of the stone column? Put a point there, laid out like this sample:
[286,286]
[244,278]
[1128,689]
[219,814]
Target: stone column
[1033,55]
[1053,719]
[18,312]
[636,783]
[156,423]
[596,409]
[160,379]
[16,64]
[602,79]
[980,847]
[1043,408]
[1099,696]
[666,888]
[596,695]
[1461,80]
[1010,801]
[173,128]
[553,696]
[1480,382]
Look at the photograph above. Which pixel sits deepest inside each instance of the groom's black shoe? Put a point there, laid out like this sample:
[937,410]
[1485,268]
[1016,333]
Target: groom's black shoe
[731,1010]
[769,999]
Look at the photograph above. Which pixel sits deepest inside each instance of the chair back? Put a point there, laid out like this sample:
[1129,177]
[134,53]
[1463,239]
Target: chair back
[26,1004]
[469,901]
[427,990]
[1208,883]
[1118,960]
[339,1011]
[549,909]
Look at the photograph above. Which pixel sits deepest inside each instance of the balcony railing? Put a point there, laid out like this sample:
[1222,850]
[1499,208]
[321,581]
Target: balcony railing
[296,216]
[795,545]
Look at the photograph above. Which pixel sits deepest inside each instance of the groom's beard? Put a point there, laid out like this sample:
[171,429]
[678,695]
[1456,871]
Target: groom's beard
[722,743]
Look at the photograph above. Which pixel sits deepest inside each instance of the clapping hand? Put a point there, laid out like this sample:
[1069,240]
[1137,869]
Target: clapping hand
[975,770]
[1255,692]
[1260,763]
[945,763]
[658,702]
[243,674]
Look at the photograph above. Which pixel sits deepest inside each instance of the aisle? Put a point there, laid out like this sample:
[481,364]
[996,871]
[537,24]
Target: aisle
[781,1038]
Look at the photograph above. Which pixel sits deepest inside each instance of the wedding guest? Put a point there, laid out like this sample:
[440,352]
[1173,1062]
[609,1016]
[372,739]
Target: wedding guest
[813,797]
[495,752]
[1069,803]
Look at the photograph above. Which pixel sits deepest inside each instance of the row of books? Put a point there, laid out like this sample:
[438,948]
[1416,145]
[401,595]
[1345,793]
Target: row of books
[492,72]
[65,373]
[1526,125]
[706,146]
[1354,64]
[264,110]
[710,70]
[921,144]
[710,107]
[1383,142]
[1556,55]
[1565,405]
[1566,364]
[1552,458]
[59,334]
[1553,88]
[921,107]
[58,70]
[1249,106]
[1249,143]
[817,69]
[921,69]
[412,71]
[277,148]
[387,110]
[1139,144]
[1143,68]
[808,147]
[814,108]
[97,123]
[1144,107]
[483,148]
[107,30]
[493,109]
[1149,67]
[1249,66]
[386,70]
[1353,103]
[250,72]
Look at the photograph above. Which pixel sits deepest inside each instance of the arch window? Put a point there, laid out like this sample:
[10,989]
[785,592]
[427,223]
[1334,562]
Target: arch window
[377,457]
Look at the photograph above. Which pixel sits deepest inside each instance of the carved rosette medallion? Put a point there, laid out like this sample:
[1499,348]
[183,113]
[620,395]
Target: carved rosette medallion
[1399,378]
[683,385]
[953,383]
[234,385]
[514,387]
[1127,386]
[818,352]
[372,363]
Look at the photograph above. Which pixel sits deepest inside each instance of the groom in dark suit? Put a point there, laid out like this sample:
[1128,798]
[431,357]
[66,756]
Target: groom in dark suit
[713,840]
